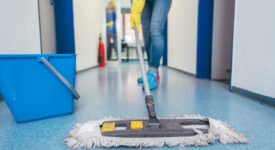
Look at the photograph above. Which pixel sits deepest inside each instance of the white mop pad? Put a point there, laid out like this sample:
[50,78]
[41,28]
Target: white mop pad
[88,135]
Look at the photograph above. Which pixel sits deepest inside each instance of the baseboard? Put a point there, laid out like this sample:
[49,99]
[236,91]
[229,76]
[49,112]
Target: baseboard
[83,70]
[182,71]
[258,97]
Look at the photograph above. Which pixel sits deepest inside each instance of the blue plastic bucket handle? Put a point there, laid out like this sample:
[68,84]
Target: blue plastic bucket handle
[59,76]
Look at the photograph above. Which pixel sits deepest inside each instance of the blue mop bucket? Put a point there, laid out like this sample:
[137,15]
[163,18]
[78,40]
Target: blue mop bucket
[38,86]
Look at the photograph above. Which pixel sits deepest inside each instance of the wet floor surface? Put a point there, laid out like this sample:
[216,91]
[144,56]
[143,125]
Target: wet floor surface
[114,91]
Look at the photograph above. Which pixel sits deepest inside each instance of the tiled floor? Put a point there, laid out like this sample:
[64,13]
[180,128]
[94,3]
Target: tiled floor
[114,91]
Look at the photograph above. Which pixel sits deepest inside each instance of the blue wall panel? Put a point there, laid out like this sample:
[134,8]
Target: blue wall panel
[64,26]
[204,44]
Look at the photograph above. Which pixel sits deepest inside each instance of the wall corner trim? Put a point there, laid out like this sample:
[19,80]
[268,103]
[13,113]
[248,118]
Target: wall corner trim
[255,96]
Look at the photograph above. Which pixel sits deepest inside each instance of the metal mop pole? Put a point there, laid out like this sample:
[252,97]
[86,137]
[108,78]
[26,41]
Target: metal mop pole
[153,121]
[142,65]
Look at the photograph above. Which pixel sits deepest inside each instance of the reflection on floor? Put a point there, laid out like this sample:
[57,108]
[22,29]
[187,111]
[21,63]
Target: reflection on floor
[114,91]
[127,55]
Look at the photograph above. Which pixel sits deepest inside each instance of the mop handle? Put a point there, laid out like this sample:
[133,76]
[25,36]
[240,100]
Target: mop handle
[142,64]
[153,120]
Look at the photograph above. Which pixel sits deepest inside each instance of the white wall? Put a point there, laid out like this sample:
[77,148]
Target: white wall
[222,38]
[125,3]
[182,35]
[47,22]
[89,22]
[122,3]
[19,27]
[254,48]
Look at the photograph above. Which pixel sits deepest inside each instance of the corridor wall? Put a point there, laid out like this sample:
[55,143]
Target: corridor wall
[254,49]
[190,36]
[182,35]
[89,22]
[19,27]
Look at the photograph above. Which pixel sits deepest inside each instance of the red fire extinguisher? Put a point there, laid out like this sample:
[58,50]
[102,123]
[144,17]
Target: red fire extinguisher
[101,53]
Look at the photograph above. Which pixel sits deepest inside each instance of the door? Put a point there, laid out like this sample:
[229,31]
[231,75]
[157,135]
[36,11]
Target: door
[222,39]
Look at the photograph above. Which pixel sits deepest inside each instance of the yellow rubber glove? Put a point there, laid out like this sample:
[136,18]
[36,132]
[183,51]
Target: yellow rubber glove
[110,24]
[113,3]
[137,7]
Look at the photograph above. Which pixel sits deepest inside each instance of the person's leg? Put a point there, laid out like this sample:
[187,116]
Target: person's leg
[109,48]
[146,23]
[159,16]
[115,44]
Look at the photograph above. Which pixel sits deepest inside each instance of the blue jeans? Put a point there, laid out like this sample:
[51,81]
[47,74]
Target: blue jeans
[153,19]
[110,45]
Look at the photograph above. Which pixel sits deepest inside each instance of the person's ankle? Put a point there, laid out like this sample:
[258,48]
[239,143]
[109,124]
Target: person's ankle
[153,70]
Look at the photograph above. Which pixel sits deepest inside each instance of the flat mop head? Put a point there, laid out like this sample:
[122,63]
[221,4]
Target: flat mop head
[167,128]
[180,131]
